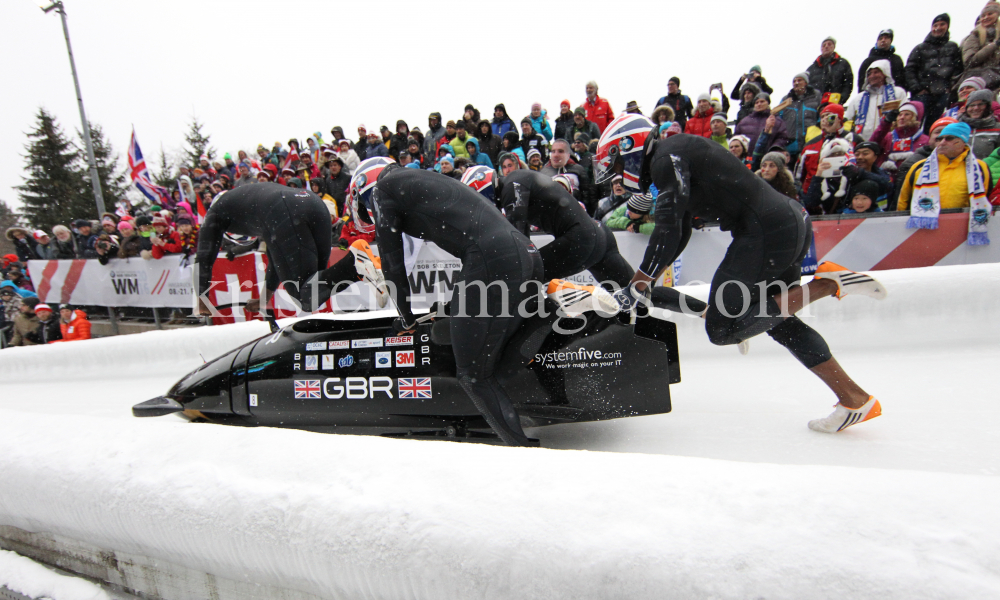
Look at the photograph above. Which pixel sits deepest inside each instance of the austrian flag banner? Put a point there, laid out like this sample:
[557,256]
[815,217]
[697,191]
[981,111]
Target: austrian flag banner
[136,282]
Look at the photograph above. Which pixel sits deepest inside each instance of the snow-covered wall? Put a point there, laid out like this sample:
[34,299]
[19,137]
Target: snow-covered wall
[362,517]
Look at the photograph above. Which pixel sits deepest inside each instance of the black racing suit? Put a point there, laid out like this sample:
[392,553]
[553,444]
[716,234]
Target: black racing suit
[294,224]
[771,235]
[425,205]
[581,243]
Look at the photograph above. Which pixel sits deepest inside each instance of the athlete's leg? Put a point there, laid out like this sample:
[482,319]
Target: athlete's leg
[479,340]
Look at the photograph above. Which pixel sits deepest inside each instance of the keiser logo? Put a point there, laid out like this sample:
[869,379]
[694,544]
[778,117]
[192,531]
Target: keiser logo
[405,340]
[580,355]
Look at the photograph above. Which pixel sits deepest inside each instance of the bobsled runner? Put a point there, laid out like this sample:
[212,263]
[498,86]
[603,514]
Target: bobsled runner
[348,373]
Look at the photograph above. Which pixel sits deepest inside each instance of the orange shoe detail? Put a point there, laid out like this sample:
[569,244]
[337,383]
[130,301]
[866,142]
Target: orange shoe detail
[876,410]
[561,284]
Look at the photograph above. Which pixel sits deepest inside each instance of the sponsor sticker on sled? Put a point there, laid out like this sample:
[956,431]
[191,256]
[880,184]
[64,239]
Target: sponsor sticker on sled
[327,362]
[403,340]
[312,362]
[368,343]
[405,358]
[339,345]
[307,389]
[315,346]
[383,360]
[347,361]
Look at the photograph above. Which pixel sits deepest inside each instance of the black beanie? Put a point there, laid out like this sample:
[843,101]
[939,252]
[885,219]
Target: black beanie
[942,17]
[30,302]
[143,220]
[867,188]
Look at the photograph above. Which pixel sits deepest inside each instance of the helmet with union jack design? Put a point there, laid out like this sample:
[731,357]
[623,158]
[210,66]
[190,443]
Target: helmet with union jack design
[480,178]
[622,143]
[360,190]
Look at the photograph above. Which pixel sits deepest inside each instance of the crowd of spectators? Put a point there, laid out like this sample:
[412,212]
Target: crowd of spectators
[837,142]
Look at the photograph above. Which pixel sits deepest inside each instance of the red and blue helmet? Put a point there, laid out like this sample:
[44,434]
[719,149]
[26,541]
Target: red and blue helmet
[480,178]
[623,142]
[360,190]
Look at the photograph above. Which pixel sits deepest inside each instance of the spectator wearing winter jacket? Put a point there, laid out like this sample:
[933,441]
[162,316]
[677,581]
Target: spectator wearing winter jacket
[830,192]
[564,122]
[511,142]
[900,134]
[107,248]
[774,170]
[933,67]
[752,76]
[166,241]
[678,102]
[361,146]
[435,131]
[501,121]
[561,163]
[978,115]
[698,124]
[582,125]
[800,113]
[830,73]
[598,109]
[130,244]
[540,121]
[84,238]
[748,95]
[477,157]
[64,246]
[375,146]
[489,144]
[719,130]
[755,123]
[471,118]
[953,179]
[918,155]
[881,93]
[981,48]
[21,237]
[26,324]
[73,324]
[397,143]
[347,156]
[43,246]
[664,114]
[461,138]
[831,125]
[48,325]
[532,140]
[884,50]
[863,199]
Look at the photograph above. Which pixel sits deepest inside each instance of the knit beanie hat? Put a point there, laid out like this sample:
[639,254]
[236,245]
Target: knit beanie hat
[676,80]
[943,122]
[836,109]
[865,188]
[719,117]
[704,96]
[579,110]
[803,75]
[960,130]
[125,225]
[942,17]
[980,96]
[976,83]
[640,204]
[775,157]
[763,95]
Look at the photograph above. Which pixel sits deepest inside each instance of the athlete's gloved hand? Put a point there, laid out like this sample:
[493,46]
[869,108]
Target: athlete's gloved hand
[628,298]
[400,326]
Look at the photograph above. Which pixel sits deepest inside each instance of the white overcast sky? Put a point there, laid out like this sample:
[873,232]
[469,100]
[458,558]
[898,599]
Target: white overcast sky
[257,72]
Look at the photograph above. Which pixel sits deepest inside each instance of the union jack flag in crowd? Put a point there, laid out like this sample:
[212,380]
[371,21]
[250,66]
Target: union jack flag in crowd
[140,177]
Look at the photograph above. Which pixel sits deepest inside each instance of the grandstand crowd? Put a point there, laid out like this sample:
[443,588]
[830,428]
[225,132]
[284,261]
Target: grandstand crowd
[839,141]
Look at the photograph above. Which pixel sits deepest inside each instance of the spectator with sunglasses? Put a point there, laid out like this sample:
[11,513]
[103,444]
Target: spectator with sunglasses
[831,124]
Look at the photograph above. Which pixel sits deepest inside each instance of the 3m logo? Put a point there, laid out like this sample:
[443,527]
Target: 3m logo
[405,358]
[308,389]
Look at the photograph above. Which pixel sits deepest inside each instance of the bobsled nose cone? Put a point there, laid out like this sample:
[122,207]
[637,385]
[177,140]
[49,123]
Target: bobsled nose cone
[157,407]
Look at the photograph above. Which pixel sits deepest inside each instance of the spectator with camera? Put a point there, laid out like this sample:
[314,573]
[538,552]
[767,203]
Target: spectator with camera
[831,124]
[106,248]
[899,134]
[753,76]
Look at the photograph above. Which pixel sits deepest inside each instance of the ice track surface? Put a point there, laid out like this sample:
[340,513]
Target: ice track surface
[728,496]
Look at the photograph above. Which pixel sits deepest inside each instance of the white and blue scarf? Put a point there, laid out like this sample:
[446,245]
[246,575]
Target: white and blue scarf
[888,94]
[926,205]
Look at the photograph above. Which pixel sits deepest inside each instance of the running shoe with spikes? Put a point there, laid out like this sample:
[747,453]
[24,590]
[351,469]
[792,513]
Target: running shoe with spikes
[575,299]
[368,265]
[850,282]
[843,417]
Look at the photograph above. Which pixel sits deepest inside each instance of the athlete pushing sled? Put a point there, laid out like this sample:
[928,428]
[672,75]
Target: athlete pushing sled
[757,287]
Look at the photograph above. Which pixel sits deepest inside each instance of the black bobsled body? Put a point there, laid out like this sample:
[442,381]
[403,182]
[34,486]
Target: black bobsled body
[322,373]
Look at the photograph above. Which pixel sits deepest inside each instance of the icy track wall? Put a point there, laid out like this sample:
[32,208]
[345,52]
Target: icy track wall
[354,517]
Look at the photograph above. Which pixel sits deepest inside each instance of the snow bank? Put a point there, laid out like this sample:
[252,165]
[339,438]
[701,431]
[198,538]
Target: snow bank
[356,517]
[31,579]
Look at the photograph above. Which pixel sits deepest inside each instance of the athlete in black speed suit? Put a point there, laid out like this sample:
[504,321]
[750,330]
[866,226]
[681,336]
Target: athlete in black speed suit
[581,243]
[771,235]
[425,205]
[295,225]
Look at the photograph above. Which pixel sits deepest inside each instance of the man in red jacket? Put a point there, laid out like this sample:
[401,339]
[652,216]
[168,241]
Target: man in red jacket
[700,122]
[73,324]
[831,123]
[598,109]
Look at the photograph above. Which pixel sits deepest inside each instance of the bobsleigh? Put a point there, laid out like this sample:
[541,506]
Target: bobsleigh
[349,373]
